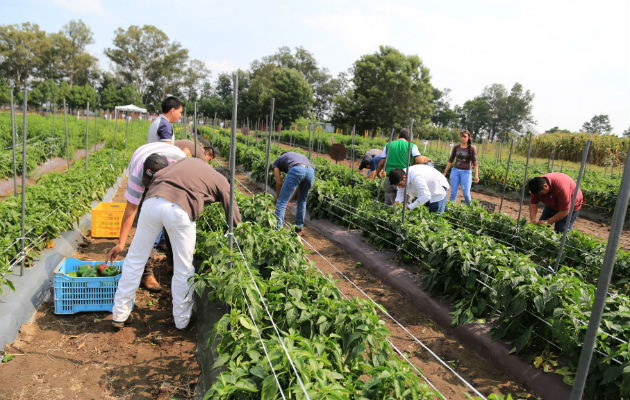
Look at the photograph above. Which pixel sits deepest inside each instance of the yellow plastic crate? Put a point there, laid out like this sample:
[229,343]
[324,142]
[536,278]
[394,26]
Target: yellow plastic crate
[106,220]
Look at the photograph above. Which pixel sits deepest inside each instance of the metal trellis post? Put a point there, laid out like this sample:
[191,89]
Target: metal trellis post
[568,217]
[407,171]
[352,150]
[520,207]
[602,283]
[22,254]
[111,158]
[87,133]
[65,123]
[507,170]
[13,137]
[391,137]
[126,134]
[195,128]
[232,159]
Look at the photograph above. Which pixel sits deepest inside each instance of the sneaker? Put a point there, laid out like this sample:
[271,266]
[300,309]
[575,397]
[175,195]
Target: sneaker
[116,325]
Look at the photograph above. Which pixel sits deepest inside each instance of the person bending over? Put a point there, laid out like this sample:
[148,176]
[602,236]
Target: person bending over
[555,191]
[174,200]
[300,175]
[424,183]
[398,159]
[149,154]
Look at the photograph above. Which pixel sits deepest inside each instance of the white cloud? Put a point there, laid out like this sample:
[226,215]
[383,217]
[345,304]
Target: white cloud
[81,6]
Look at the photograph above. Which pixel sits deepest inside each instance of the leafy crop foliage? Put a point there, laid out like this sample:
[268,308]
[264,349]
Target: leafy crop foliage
[534,311]
[339,346]
[600,191]
[38,139]
[57,201]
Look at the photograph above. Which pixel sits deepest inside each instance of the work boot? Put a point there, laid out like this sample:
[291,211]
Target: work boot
[150,283]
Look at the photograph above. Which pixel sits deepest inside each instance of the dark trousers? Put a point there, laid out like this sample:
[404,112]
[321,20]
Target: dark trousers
[549,212]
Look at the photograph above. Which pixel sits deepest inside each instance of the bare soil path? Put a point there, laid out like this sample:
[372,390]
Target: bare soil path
[80,357]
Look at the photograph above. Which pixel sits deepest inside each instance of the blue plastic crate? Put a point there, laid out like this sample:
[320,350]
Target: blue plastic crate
[73,295]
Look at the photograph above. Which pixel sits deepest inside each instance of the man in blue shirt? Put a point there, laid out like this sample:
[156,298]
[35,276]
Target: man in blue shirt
[300,175]
[161,129]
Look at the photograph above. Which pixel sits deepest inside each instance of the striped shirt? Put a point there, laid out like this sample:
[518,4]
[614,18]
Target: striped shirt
[135,188]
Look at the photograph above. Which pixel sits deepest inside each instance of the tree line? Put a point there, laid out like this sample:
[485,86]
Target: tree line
[380,91]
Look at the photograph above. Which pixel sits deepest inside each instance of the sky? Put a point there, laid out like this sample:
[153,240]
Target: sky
[574,56]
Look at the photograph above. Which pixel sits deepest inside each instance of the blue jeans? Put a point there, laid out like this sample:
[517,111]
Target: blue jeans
[461,177]
[438,206]
[299,177]
[549,212]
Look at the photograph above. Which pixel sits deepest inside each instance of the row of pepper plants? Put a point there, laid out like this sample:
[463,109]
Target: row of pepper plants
[339,347]
[600,191]
[38,136]
[56,202]
[537,313]
[582,251]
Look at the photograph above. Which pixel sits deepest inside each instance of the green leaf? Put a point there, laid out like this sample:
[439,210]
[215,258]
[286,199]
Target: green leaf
[269,388]
[297,293]
[245,322]
[7,357]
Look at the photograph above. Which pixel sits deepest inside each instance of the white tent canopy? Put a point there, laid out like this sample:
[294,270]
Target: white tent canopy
[131,108]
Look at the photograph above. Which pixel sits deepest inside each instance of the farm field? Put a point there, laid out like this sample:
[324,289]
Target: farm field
[464,313]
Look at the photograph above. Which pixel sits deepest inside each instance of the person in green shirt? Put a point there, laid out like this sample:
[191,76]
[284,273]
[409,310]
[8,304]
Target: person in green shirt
[397,158]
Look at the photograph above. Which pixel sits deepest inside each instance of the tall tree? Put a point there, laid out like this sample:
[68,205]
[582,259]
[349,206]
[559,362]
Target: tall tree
[443,114]
[599,124]
[626,133]
[146,59]
[193,79]
[293,95]
[508,111]
[76,60]
[390,88]
[20,50]
[476,116]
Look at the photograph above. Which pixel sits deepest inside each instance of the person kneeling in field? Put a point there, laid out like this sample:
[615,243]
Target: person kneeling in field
[424,183]
[555,191]
[174,200]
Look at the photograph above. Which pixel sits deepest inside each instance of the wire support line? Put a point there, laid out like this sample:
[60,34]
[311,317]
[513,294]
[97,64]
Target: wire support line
[262,299]
[336,202]
[477,280]
[382,309]
[251,315]
[346,297]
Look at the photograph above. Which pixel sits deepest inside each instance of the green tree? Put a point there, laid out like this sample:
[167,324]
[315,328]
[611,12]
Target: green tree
[77,62]
[388,90]
[443,114]
[626,133]
[293,95]
[599,124]
[21,47]
[476,116]
[508,110]
[145,58]
[193,78]
[79,95]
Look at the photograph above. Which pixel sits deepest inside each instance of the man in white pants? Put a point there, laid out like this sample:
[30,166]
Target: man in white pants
[174,200]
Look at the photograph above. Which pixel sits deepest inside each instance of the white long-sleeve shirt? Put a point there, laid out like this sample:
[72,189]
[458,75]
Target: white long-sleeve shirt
[426,184]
